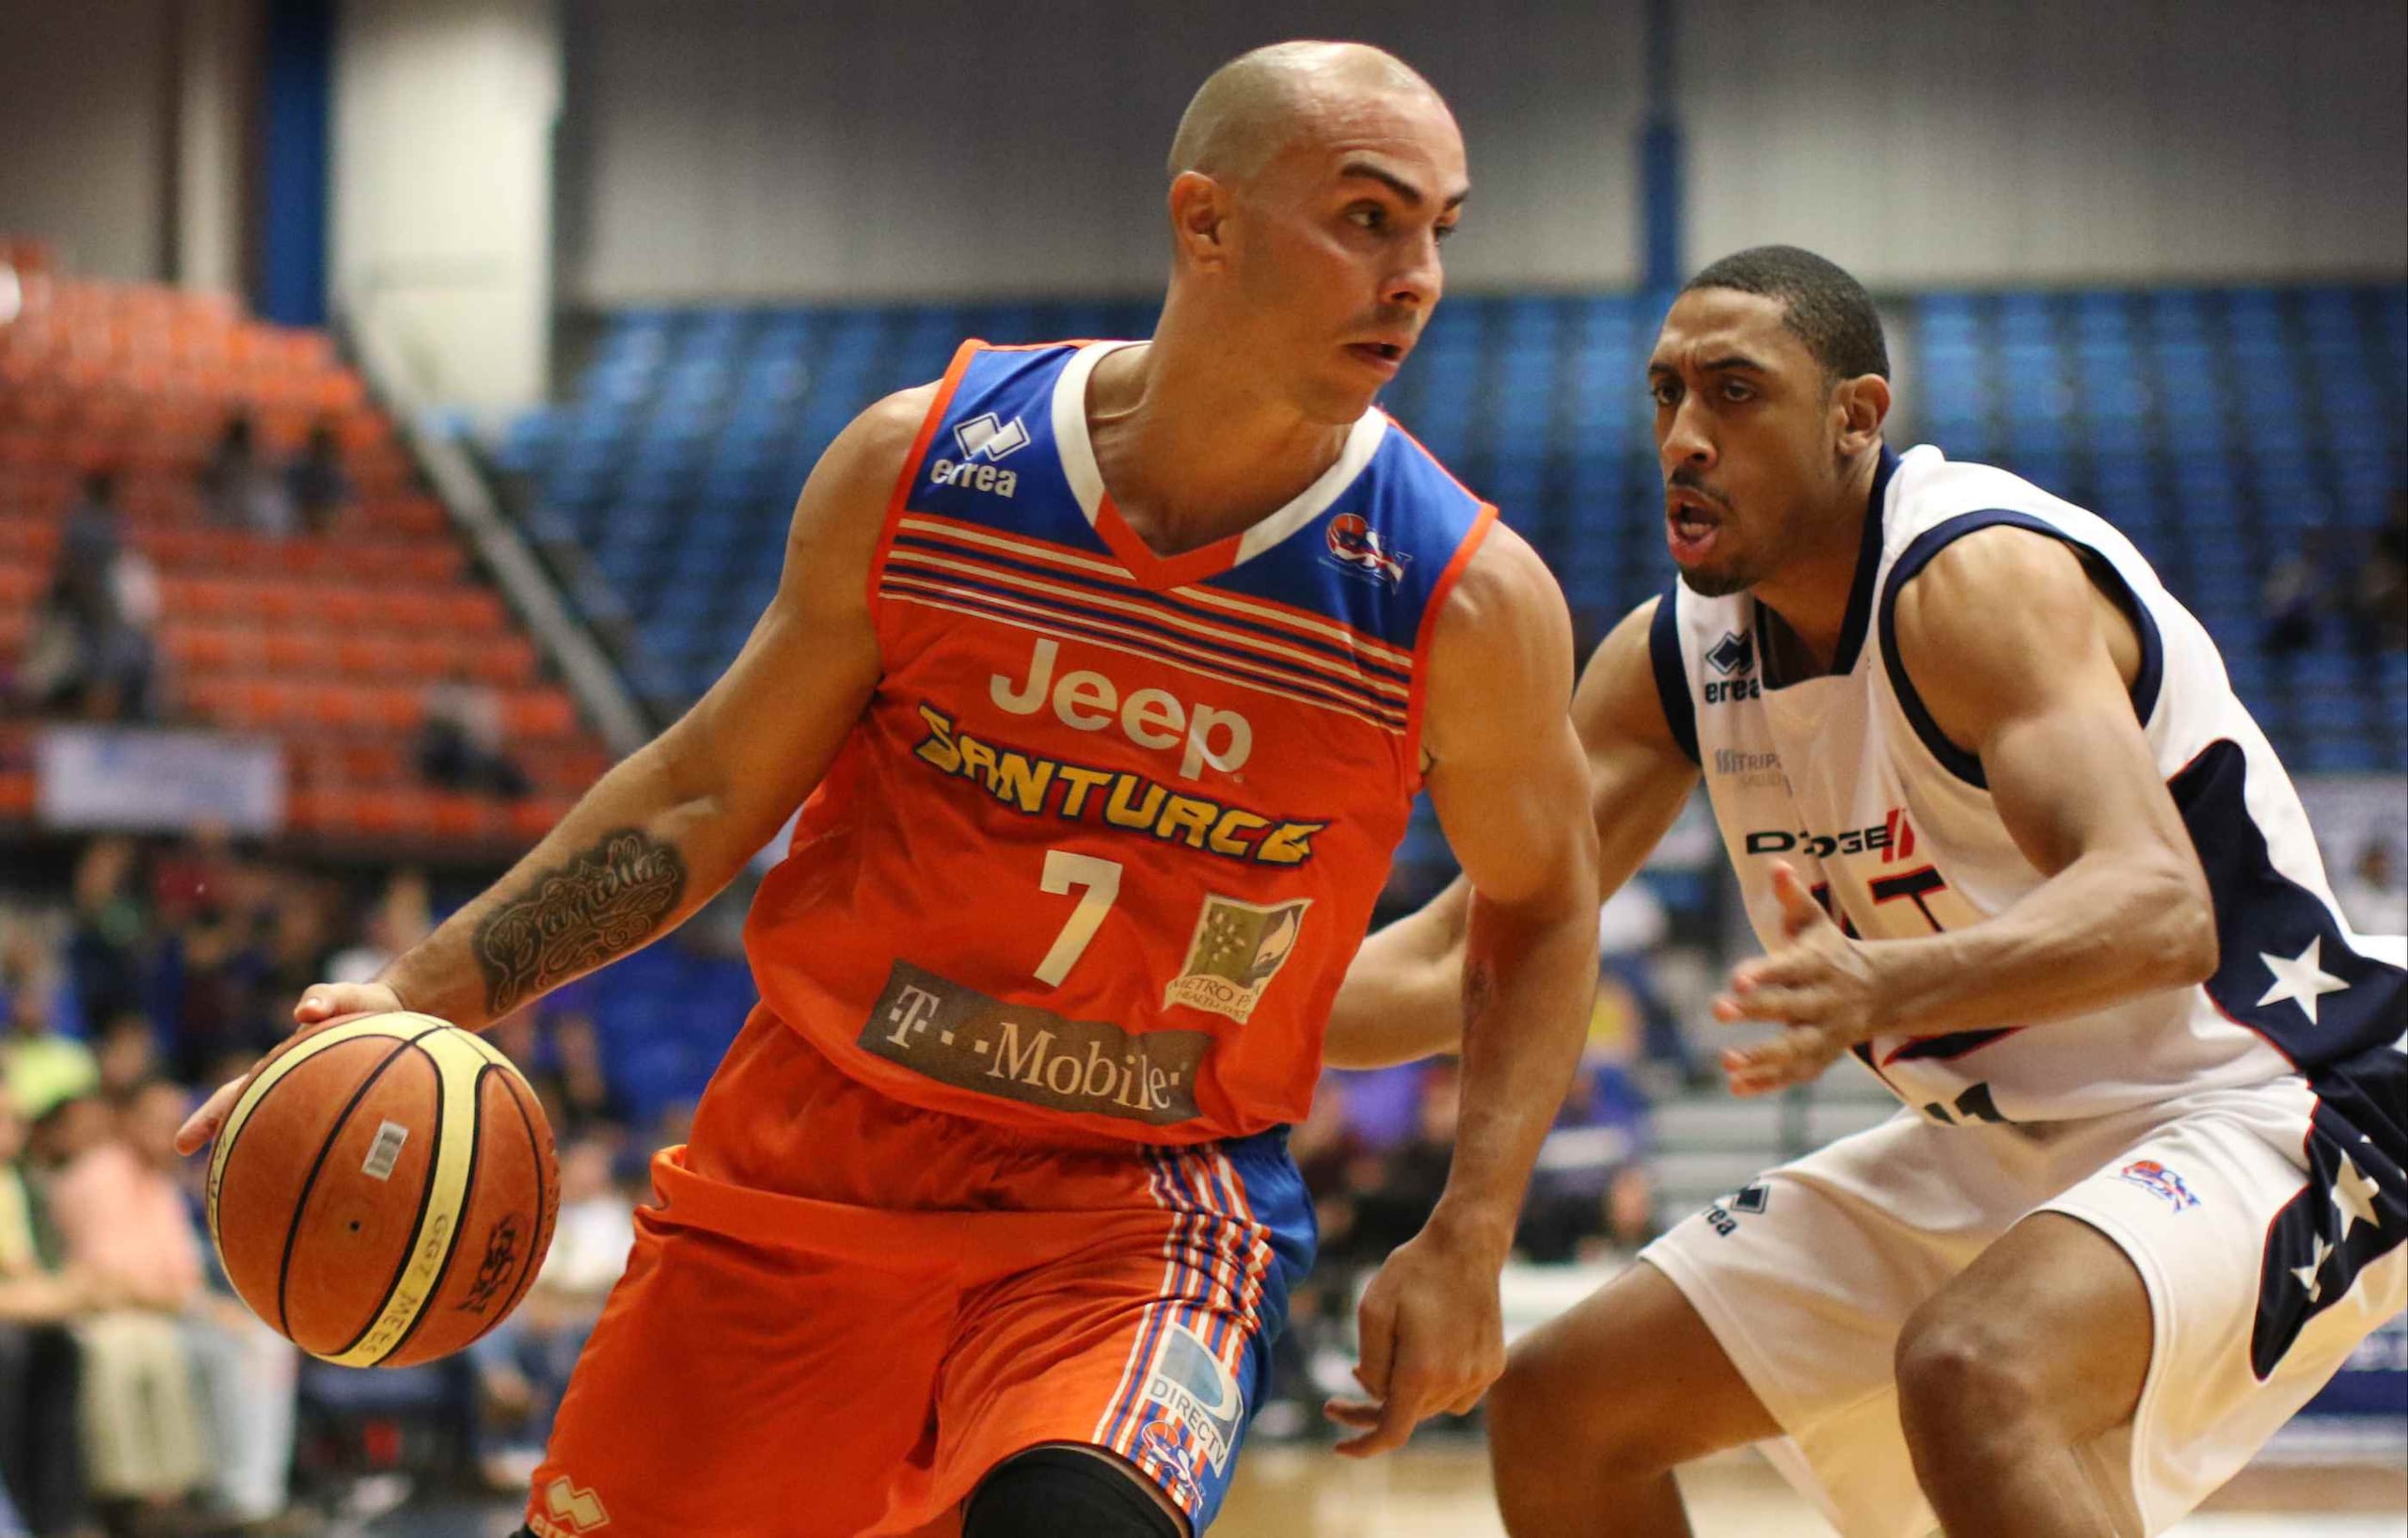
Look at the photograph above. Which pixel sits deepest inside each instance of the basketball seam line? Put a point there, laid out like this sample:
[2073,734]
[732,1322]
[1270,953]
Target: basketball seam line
[316,1167]
[459,1225]
[425,1199]
[547,1213]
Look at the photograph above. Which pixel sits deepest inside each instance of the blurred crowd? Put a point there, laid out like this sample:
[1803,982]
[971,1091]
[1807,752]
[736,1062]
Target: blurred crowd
[138,1396]
[2355,586]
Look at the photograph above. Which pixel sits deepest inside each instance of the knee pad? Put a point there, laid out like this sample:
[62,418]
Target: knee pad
[1050,1491]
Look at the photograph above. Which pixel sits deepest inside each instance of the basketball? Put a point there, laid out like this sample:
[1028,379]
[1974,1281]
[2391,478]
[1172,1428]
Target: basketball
[383,1190]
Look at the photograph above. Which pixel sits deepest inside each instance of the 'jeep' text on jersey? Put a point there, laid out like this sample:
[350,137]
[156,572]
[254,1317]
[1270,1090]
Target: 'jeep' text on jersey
[1104,839]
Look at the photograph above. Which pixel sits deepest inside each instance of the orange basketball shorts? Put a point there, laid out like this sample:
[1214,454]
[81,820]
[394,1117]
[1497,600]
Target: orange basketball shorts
[843,1311]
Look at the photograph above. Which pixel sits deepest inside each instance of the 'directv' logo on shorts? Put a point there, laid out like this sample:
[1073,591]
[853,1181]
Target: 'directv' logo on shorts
[1238,947]
[1195,1390]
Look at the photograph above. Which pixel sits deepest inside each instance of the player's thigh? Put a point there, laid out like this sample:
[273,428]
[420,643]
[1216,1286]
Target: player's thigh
[1632,1373]
[742,1390]
[2260,1279]
[2052,1320]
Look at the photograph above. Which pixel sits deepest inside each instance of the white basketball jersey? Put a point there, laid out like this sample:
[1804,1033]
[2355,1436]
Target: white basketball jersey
[1846,776]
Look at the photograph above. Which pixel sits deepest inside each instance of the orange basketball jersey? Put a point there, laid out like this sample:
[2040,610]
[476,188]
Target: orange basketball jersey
[1100,849]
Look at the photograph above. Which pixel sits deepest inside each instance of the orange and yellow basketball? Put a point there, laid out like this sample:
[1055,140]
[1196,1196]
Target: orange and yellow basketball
[383,1190]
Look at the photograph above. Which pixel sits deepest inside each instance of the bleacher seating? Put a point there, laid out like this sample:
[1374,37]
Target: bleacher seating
[328,640]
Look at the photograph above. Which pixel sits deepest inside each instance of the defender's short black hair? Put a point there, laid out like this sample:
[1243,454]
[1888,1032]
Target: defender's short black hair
[1826,309]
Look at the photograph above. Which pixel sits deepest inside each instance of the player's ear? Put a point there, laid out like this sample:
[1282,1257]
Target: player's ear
[1199,212]
[1862,404]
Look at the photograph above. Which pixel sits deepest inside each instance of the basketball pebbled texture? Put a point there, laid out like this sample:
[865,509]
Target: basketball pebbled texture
[383,1190]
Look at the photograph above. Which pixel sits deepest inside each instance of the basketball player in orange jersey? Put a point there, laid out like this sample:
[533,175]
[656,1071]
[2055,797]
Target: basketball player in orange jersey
[2010,839]
[1109,672]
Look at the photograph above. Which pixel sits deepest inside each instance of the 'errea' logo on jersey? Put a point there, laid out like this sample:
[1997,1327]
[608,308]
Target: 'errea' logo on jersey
[1733,655]
[983,437]
[982,440]
[1357,548]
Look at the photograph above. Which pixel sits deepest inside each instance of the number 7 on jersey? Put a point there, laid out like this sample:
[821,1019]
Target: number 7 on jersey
[1099,884]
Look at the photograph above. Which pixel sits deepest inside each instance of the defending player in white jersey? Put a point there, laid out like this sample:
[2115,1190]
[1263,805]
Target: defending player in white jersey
[2008,837]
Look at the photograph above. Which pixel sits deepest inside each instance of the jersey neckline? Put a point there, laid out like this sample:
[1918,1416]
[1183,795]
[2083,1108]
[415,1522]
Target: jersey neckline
[1859,619]
[1085,479]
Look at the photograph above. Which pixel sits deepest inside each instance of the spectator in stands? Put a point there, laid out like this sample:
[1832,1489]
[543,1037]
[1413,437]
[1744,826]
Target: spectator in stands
[523,1366]
[41,1066]
[107,950]
[460,746]
[588,1098]
[402,916]
[217,963]
[1590,1185]
[127,1057]
[315,481]
[2373,898]
[94,650]
[1408,1178]
[1631,924]
[248,1377]
[242,489]
[41,1461]
[2293,593]
[2379,608]
[121,1216]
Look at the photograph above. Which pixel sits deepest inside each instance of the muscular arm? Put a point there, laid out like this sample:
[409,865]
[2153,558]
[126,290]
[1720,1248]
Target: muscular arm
[2034,685]
[1505,776]
[1507,782]
[666,829]
[2021,660]
[1403,996]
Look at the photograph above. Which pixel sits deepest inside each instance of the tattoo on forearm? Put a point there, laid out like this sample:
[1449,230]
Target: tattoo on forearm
[605,902]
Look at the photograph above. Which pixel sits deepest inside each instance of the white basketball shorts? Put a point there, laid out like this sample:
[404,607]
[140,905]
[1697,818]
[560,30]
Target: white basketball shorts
[1806,1275]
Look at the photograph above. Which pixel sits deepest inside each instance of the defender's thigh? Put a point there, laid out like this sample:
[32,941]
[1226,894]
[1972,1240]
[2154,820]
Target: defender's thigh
[743,1391]
[2260,1280]
[1630,1374]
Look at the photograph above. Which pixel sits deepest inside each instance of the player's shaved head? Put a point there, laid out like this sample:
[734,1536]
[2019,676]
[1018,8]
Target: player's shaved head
[1260,103]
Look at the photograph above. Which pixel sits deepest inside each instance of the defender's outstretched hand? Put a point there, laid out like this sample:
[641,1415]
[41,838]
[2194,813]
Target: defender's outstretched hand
[1820,984]
[321,1006]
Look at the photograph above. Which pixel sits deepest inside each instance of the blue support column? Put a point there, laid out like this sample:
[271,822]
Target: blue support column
[296,111]
[1661,200]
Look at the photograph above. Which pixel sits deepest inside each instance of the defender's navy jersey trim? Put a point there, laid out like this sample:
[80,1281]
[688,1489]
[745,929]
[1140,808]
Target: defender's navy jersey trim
[2147,683]
[1671,676]
[2358,1142]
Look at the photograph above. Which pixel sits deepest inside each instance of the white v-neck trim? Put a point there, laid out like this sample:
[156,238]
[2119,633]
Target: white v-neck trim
[1077,451]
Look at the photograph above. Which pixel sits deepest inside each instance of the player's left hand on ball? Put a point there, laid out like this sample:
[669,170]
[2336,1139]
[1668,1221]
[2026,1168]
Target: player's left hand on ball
[1432,1339]
[1820,985]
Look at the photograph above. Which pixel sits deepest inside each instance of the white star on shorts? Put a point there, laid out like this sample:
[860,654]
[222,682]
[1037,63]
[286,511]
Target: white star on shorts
[2308,1275]
[2301,978]
[2353,1194]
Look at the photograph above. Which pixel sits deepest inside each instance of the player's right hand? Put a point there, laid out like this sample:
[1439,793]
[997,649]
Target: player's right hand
[321,1006]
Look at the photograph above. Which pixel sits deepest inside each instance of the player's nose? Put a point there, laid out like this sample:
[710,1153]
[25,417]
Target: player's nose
[1686,438]
[1418,278]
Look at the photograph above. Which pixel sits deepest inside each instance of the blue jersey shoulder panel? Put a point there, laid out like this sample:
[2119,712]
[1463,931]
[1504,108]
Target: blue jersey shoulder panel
[1374,558]
[993,460]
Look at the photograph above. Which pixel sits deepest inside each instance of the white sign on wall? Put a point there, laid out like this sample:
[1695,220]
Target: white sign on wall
[137,779]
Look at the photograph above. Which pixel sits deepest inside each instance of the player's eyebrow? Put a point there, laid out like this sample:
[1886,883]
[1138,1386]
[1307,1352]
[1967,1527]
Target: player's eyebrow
[1410,195]
[1726,363]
